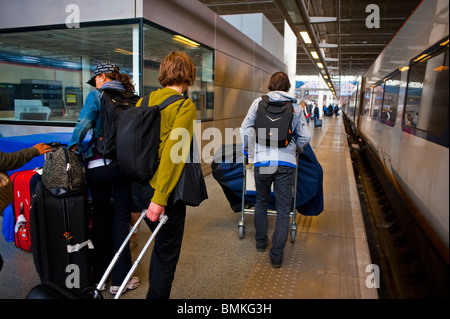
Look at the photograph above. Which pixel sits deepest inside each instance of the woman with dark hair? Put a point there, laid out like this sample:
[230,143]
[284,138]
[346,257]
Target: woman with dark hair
[275,165]
[106,183]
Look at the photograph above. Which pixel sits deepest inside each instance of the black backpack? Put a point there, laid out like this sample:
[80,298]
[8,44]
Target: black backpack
[273,124]
[113,104]
[138,138]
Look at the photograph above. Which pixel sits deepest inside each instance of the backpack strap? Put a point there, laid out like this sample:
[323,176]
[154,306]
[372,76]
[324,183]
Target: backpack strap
[171,99]
[144,101]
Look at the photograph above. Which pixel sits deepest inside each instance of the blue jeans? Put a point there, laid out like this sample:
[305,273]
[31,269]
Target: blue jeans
[282,178]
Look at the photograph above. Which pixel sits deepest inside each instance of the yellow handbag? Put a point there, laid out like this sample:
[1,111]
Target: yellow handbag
[6,191]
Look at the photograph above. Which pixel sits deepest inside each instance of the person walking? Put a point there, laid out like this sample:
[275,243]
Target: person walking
[176,73]
[316,113]
[106,182]
[275,166]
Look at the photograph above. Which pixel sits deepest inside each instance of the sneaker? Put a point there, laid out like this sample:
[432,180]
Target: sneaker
[132,284]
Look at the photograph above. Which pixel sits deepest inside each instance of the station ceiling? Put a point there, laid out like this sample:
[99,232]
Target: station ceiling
[348,45]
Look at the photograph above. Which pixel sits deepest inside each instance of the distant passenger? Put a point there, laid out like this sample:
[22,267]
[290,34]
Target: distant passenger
[305,111]
[277,166]
[110,222]
[316,113]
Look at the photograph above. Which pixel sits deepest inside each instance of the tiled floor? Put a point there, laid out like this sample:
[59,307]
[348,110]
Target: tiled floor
[330,253]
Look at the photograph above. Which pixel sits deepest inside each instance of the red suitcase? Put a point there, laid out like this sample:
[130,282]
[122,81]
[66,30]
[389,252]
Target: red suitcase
[23,183]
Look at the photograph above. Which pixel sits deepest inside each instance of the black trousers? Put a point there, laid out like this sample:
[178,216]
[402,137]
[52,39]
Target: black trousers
[111,221]
[167,246]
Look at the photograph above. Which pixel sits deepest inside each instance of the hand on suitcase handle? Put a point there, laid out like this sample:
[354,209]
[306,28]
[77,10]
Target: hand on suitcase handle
[163,219]
[154,211]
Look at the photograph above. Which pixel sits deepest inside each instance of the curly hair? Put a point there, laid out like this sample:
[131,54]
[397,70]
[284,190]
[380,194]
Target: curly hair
[123,78]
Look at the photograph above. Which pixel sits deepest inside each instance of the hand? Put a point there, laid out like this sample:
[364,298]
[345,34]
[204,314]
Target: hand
[154,210]
[42,148]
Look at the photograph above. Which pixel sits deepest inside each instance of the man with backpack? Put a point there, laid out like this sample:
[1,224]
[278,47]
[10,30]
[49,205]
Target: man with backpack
[274,157]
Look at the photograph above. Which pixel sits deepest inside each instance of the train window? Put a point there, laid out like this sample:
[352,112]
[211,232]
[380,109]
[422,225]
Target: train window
[390,100]
[367,96]
[377,100]
[426,104]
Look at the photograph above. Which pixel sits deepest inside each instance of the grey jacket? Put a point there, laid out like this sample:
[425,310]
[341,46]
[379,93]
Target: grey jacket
[274,156]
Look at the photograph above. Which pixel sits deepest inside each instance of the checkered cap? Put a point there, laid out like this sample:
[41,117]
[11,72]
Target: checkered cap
[106,67]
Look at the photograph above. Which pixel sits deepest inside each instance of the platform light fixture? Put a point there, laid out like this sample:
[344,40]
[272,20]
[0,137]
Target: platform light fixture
[320,65]
[305,37]
[314,54]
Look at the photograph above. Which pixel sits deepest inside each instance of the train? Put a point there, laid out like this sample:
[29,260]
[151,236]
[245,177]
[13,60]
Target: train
[399,113]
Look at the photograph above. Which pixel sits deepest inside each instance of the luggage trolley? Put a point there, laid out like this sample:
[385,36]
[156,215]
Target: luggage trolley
[248,188]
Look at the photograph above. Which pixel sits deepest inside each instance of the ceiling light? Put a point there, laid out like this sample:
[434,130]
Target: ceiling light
[305,36]
[185,41]
[118,50]
[320,65]
[314,54]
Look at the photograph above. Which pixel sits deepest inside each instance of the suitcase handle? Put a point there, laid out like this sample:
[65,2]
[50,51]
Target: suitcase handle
[117,255]
[162,220]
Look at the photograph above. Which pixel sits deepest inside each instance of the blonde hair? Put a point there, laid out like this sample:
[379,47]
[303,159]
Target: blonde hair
[177,68]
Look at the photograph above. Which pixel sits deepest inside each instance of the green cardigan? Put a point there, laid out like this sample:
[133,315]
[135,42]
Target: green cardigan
[175,122]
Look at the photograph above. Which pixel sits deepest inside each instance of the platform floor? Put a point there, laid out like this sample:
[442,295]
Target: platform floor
[328,259]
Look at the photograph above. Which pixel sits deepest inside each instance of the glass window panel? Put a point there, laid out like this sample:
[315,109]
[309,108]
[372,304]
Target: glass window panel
[377,100]
[367,96]
[427,95]
[43,73]
[157,44]
[390,100]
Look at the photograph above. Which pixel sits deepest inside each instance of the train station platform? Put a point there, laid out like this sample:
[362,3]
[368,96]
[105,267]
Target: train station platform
[328,259]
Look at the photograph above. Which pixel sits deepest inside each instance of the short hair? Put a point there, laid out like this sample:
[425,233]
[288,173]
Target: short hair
[177,68]
[279,81]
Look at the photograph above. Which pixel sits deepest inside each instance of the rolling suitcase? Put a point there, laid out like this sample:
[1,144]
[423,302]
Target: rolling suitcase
[24,183]
[58,291]
[318,123]
[60,237]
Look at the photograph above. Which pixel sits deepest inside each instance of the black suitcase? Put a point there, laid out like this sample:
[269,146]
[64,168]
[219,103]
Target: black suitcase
[53,290]
[60,237]
[318,123]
